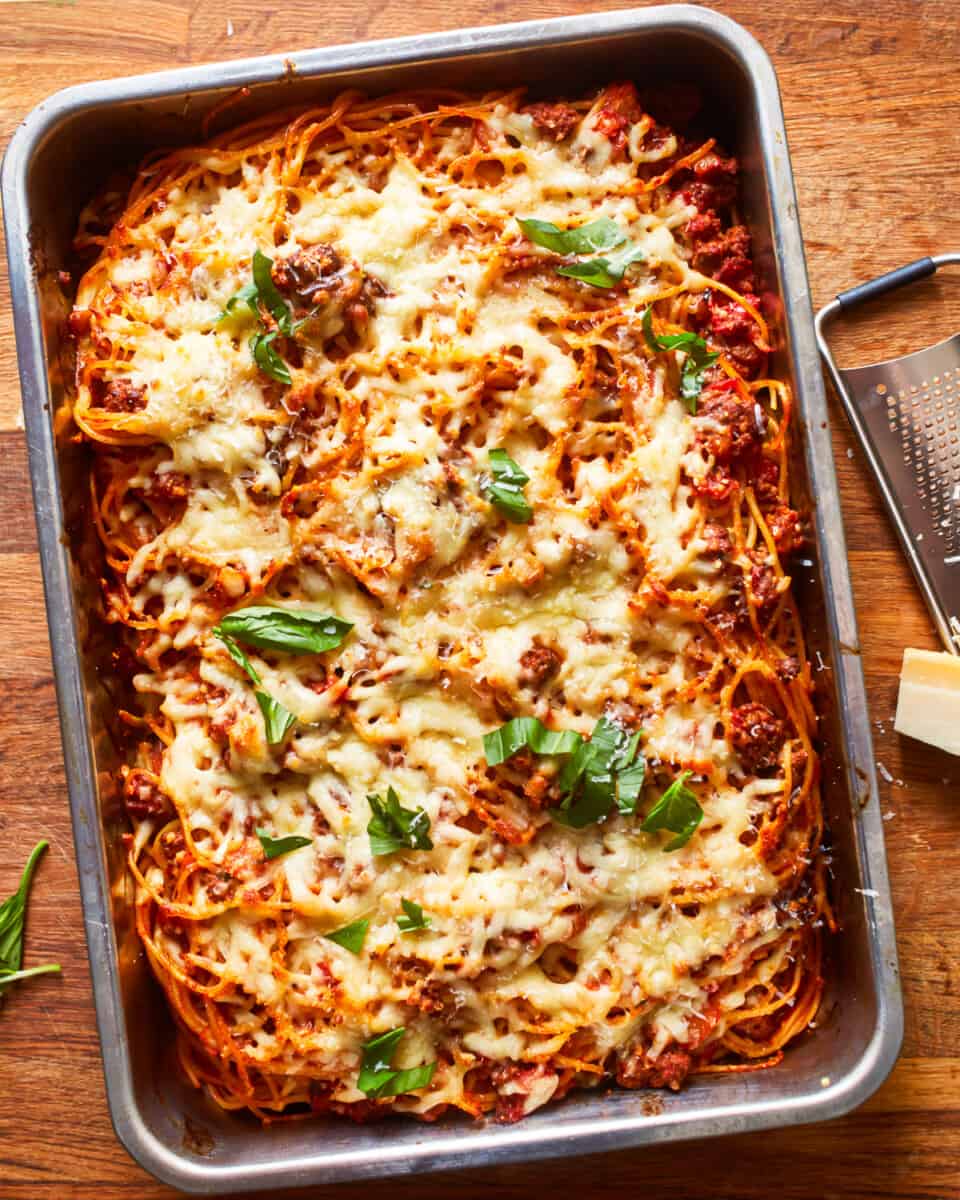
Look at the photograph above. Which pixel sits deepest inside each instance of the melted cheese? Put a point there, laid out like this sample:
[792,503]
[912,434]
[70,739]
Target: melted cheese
[446,599]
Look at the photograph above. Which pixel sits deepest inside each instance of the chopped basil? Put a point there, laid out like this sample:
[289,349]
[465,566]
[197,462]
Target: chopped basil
[377,1078]
[698,357]
[603,272]
[677,810]
[259,296]
[292,631]
[238,655]
[267,359]
[350,937]
[13,913]
[277,720]
[270,298]
[247,295]
[600,773]
[521,732]
[505,490]
[274,847]
[393,827]
[602,234]
[413,918]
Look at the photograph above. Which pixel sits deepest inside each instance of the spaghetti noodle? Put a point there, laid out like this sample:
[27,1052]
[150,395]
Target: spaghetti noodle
[411,417]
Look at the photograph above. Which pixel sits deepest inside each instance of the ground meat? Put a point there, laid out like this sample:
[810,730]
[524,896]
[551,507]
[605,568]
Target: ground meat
[713,184]
[118,395]
[704,227]
[143,797]
[79,321]
[519,1078]
[757,735]
[308,272]
[764,476]
[784,523]
[715,487]
[538,664]
[555,120]
[727,426]
[669,1069]
[167,493]
[726,256]
[730,320]
[763,585]
[717,539]
[788,669]
[619,108]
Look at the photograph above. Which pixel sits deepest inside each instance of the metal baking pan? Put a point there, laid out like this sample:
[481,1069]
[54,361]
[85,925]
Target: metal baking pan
[58,158]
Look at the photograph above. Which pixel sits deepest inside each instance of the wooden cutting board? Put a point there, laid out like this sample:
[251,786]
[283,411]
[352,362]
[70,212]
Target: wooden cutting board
[872,99]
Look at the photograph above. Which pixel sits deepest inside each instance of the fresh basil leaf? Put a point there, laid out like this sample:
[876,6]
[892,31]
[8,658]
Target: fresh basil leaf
[505,470]
[410,1080]
[601,234]
[292,631]
[267,359]
[505,490]
[16,976]
[238,656]
[13,912]
[698,359]
[603,272]
[270,298]
[246,295]
[677,810]
[593,776]
[503,743]
[510,503]
[277,720]
[377,1078]
[393,827]
[413,918]
[350,937]
[629,786]
[274,847]
[691,376]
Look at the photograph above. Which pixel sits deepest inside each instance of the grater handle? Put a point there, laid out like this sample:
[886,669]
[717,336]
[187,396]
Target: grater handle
[888,282]
[921,269]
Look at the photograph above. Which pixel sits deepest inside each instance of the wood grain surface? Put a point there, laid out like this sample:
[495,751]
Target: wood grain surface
[872,100]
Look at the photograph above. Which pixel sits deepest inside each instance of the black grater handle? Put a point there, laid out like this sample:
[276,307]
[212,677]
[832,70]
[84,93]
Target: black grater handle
[889,282]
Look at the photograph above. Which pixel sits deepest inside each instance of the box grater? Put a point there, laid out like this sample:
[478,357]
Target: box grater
[906,413]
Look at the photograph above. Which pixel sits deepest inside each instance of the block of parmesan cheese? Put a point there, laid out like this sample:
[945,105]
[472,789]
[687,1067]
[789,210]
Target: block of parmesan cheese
[928,706]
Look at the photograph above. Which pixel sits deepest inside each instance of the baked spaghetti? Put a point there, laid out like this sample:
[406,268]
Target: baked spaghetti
[442,489]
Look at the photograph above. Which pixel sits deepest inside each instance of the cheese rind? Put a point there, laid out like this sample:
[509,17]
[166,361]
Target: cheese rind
[928,706]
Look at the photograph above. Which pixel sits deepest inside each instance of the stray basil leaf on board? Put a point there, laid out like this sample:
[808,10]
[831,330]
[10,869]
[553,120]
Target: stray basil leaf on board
[13,913]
